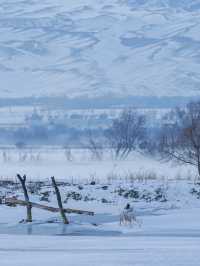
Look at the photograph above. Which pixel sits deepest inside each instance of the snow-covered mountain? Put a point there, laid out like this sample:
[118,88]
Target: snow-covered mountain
[99,47]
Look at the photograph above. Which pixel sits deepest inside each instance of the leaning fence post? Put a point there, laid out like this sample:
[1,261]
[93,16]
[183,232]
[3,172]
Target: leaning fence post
[62,212]
[26,196]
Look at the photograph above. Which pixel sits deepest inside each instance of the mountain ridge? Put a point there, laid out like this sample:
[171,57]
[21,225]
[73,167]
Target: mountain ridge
[85,49]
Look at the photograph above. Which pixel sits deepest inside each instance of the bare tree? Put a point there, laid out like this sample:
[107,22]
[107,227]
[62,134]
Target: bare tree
[20,146]
[95,147]
[180,138]
[68,152]
[6,156]
[127,132]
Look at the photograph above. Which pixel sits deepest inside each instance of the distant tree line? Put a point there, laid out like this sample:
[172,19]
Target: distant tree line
[178,137]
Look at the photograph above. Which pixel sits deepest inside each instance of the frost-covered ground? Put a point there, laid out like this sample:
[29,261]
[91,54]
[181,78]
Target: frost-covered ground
[162,207]
[43,162]
[165,197]
[168,213]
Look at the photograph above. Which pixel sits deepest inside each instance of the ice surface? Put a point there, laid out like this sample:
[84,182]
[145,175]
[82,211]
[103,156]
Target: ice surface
[93,251]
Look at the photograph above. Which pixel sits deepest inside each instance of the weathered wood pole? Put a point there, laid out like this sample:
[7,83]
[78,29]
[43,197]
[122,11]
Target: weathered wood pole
[59,199]
[14,201]
[26,196]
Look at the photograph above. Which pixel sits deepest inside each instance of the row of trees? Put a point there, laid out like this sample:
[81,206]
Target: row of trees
[127,132]
[178,137]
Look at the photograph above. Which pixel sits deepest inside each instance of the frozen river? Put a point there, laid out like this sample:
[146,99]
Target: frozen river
[98,251]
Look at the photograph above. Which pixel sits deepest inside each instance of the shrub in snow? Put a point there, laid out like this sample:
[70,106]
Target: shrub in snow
[120,191]
[147,196]
[103,200]
[73,195]
[45,196]
[88,198]
[35,188]
[195,192]
[160,195]
[132,193]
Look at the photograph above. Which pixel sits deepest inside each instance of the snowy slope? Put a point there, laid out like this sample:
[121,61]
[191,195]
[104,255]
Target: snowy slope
[94,48]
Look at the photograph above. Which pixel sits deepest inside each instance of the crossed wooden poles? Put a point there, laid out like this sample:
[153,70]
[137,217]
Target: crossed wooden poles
[29,205]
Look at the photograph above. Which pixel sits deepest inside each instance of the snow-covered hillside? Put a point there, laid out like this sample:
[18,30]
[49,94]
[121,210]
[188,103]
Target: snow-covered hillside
[94,48]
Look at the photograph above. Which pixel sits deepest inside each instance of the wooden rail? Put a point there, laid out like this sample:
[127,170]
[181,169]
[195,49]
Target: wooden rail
[14,201]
